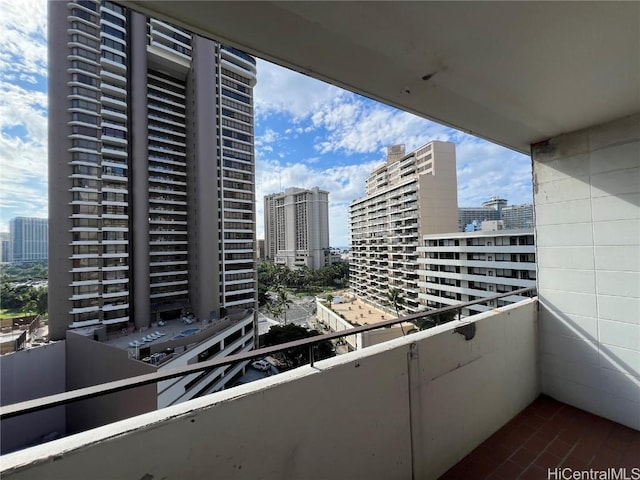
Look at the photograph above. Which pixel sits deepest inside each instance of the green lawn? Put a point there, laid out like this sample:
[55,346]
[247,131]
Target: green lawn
[5,313]
[314,291]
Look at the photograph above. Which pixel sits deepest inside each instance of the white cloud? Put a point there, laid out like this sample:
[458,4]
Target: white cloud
[346,127]
[23,50]
[485,169]
[23,111]
[282,91]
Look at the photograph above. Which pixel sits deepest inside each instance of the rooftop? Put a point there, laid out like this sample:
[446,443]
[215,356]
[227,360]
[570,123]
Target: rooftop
[177,335]
[355,310]
[482,233]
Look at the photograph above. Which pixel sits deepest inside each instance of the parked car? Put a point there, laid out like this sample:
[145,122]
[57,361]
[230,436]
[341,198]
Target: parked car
[261,365]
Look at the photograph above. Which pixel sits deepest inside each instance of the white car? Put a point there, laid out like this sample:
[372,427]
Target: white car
[261,365]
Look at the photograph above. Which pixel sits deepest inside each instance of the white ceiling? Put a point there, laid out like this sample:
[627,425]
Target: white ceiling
[512,72]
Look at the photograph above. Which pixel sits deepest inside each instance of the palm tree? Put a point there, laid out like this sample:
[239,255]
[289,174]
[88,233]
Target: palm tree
[275,310]
[284,302]
[394,298]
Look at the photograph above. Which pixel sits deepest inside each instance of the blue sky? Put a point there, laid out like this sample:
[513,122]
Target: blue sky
[308,133]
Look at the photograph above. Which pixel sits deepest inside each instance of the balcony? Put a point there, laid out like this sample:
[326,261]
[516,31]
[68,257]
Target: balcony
[426,401]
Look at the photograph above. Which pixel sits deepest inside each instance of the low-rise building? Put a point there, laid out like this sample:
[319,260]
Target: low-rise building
[94,356]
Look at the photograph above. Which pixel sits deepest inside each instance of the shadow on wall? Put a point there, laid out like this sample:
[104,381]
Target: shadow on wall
[579,370]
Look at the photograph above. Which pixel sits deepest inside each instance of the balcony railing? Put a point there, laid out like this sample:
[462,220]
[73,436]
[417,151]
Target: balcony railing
[51,401]
[408,408]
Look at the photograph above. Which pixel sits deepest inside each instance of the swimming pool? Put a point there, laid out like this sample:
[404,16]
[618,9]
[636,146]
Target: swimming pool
[189,331]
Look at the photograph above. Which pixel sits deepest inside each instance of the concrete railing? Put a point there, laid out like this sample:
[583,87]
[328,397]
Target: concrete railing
[408,408]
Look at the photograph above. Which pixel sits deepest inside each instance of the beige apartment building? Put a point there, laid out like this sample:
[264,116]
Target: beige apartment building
[413,194]
[296,228]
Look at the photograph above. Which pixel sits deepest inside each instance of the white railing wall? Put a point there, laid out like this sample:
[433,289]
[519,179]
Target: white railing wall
[408,408]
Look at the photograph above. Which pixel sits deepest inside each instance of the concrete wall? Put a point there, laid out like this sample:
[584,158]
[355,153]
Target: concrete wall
[25,375]
[203,176]
[383,335]
[139,287]
[412,406]
[587,197]
[59,172]
[438,193]
[91,363]
[337,324]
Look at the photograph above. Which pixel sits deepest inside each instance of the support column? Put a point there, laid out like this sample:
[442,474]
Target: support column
[138,174]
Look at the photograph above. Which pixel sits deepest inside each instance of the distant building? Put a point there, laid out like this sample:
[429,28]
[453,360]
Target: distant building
[411,195]
[514,216]
[337,256]
[261,250]
[475,216]
[296,228]
[28,239]
[461,267]
[518,216]
[4,247]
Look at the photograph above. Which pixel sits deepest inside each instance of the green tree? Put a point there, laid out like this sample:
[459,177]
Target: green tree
[41,300]
[262,294]
[274,309]
[424,323]
[295,357]
[394,298]
[284,301]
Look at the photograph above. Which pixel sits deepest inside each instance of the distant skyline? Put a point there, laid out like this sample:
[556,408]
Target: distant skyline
[307,133]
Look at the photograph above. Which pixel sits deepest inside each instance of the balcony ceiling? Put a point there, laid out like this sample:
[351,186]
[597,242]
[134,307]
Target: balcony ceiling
[512,72]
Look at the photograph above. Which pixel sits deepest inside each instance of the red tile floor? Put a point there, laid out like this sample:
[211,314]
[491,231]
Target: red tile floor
[548,435]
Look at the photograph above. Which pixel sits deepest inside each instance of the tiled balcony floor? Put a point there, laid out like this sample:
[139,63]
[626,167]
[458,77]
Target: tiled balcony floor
[549,434]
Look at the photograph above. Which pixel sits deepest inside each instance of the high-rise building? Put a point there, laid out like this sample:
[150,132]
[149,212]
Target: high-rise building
[4,247]
[28,239]
[151,171]
[296,224]
[411,195]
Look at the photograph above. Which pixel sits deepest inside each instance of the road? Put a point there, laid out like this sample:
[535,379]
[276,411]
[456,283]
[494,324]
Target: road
[300,312]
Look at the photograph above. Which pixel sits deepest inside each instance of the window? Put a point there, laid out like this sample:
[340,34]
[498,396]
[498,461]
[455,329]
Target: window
[86,79]
[113,57]
[80,65]
[108,42]
[88,4]
[76,12]
[81,52]
[113,132]
[83,104]
[86,131]
[114,32]
[82,143]
[84,92]
[81,39]
[113,7]
[112,19]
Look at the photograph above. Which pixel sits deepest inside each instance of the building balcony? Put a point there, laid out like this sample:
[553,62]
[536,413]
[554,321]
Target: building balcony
[426,401]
